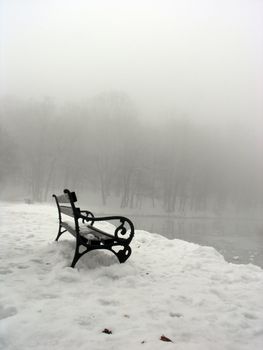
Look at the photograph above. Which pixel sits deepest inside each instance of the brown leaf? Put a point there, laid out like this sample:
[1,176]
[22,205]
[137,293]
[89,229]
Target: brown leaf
[164,338]
[107,331]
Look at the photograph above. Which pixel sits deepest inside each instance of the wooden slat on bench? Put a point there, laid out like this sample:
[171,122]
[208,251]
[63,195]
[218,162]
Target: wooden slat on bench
[66,210]
[64,198]
[68,228]
[95,229]
[100,235]
[104,234]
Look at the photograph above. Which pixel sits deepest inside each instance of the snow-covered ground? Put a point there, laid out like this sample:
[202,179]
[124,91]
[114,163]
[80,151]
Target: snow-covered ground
[181,290]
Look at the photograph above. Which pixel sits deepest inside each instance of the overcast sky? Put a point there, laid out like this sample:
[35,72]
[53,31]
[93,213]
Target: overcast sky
[201,58]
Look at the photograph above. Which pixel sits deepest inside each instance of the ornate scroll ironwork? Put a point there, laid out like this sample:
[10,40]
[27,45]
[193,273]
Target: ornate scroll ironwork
[88,216]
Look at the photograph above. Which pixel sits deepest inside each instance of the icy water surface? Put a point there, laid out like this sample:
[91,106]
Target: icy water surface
[240,241]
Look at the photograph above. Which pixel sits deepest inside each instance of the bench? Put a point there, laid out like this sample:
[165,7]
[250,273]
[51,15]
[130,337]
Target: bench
[89,236]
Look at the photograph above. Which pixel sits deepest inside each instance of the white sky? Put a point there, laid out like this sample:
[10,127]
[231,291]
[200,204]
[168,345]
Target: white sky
[201,58]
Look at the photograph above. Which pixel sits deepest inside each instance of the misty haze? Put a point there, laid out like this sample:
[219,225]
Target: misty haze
[147,109]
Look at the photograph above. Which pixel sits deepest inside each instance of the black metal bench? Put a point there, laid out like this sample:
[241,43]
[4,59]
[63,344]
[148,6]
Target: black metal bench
[88,236]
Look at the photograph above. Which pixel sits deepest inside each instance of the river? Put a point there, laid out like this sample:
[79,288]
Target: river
[239,241]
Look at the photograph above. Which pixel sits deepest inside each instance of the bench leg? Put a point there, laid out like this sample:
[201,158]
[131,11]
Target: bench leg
[123,254]
[59,233]
[75,259]
[78,255]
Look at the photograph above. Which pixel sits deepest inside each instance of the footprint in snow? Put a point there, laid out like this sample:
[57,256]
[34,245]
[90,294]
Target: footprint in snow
[175,314]
[107,302]
[22,267]
[250,316]
[36,261]
[7,312]
[5,272]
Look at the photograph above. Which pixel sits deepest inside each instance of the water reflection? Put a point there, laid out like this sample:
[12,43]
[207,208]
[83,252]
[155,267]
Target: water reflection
[240,241]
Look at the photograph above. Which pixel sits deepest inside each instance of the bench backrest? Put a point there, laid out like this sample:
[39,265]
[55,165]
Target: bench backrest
[66,205]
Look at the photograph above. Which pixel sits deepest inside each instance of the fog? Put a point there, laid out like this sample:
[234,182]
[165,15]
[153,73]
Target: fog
[154,106]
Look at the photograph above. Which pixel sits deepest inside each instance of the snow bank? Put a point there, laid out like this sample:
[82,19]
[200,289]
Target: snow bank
[183,291]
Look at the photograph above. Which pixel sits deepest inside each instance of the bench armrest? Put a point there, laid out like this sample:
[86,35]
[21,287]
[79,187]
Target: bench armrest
[126,227]
[88,216]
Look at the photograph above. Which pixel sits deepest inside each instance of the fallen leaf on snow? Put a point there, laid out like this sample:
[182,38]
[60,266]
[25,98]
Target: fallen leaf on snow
[164,338]
[107,331]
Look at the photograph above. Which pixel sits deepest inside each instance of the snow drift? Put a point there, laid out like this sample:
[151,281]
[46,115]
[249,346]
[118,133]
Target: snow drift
[171,288]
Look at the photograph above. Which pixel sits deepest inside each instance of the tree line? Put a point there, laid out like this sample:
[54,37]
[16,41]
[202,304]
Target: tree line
[104,147]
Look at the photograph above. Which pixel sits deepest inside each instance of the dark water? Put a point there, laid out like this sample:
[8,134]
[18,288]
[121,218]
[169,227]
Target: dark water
[239,241]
